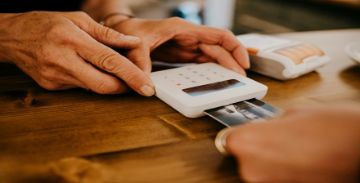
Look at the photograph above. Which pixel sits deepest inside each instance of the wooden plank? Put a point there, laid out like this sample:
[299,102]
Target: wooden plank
[193,128]
[137,139]
[189,161]
[102,134]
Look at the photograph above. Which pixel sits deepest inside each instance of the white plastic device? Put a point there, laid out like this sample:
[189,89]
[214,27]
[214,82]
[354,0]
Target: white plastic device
[195,88]
[353,50]
[281,58]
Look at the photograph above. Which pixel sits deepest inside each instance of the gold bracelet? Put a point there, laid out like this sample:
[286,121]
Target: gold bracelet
[105,18]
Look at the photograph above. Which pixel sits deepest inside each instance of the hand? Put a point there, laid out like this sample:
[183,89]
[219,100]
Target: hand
[68,50]
[176,40]
[309,144]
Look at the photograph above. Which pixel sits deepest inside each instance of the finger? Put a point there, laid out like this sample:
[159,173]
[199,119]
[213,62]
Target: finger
[112,62]
[241,138]
[141,58]
[93,79]
[239,52]
[228,41]
[88,77]
[222,57]
[102,33]
[221,141]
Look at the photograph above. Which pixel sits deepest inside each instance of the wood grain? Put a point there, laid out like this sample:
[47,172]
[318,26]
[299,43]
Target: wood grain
[139,139]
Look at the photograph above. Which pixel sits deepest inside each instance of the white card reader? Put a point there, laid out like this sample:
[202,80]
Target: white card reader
[195,88]
[281,58]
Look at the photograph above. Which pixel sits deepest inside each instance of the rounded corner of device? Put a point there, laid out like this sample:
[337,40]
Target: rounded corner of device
[287,74]
[264,87]
[192,114]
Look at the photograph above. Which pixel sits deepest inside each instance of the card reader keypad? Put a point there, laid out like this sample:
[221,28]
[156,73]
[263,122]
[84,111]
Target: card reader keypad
[192,76]
[195,88]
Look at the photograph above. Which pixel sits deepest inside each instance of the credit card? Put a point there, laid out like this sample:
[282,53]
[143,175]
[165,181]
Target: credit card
[243,112]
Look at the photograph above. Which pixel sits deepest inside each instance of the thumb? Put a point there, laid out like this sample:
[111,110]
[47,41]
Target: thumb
[141,58]
[231,141]
[221,141]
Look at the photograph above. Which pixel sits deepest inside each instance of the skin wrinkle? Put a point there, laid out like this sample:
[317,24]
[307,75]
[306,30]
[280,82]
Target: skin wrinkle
[160,40]
[41,50]
[50,33]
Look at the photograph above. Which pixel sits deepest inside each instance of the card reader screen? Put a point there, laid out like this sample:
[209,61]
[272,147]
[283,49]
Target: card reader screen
[213,87]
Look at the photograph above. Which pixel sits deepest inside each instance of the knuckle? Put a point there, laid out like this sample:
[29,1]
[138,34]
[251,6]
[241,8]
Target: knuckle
[109,62]
[82,14]
[106,32]
[174,24]
[176,20]
[225,35]
[58,32]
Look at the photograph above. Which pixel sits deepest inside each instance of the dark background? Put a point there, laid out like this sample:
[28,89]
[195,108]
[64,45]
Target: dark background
[265,16]
[276,16]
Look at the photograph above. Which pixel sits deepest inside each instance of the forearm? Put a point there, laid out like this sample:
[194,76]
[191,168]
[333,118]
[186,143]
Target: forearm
[5,19]
[98,9]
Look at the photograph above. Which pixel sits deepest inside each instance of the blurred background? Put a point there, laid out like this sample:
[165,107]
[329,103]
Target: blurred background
[264,16]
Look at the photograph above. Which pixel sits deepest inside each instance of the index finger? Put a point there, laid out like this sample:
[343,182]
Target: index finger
[227,40]
[112,62]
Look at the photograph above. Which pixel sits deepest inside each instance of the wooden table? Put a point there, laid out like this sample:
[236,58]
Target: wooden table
[130,138]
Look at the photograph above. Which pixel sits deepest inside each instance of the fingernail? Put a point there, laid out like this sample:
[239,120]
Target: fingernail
[147,90]
[240,71]
[130,38]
